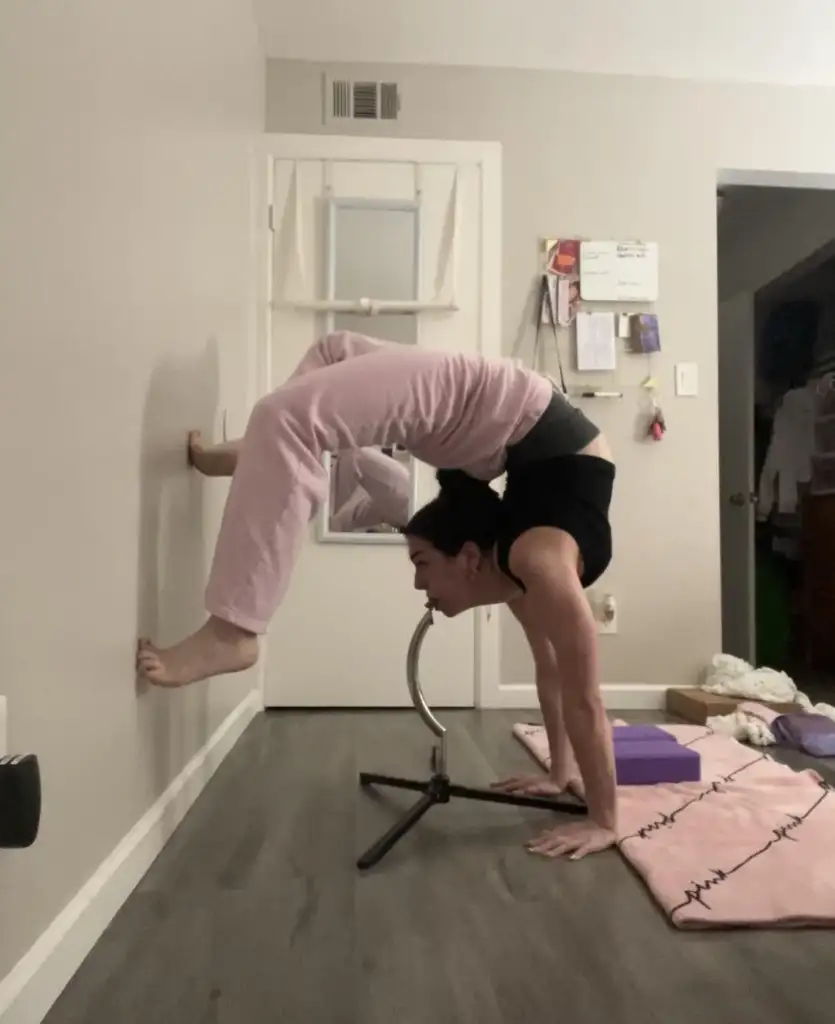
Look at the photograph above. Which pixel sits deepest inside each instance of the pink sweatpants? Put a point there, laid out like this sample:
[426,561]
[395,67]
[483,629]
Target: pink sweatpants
[351,393]
[280,481]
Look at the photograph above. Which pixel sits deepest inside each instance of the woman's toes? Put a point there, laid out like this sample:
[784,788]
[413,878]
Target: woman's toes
[195,446]
[148,660]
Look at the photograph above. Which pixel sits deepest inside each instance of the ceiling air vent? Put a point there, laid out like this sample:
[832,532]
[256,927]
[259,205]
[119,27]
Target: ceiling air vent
[361,101]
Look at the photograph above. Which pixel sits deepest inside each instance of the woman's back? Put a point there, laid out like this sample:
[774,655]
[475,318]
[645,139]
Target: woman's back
[449,409]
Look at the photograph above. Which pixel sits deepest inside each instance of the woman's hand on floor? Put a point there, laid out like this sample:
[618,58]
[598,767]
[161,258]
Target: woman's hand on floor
[574,840]
[538,785]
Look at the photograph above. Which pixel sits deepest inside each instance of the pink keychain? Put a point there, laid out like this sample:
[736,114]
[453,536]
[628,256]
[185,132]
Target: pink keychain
[656,426]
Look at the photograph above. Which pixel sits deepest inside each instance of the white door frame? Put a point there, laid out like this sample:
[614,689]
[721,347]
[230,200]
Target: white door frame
[756,177]
[736,474]
[488,156]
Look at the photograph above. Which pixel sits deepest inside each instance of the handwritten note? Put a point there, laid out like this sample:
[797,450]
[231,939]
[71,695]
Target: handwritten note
[619,271]
[596,344]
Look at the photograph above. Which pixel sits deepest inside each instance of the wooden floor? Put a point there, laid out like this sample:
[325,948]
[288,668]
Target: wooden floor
[255,913]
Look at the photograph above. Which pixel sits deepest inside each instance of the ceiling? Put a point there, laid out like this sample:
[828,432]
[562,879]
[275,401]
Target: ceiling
[730,40]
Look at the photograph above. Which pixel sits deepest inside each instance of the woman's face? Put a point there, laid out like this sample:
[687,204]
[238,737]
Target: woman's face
[450,582]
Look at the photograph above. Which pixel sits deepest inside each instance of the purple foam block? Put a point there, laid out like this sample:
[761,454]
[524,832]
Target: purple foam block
[647,763]
[641,733]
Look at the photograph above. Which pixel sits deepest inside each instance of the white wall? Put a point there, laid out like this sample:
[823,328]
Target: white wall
[606,156]
[712,40]
[126,252]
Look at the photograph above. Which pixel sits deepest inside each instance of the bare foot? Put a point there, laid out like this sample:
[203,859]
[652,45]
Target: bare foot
[212,459]
[216,649]
[197,451]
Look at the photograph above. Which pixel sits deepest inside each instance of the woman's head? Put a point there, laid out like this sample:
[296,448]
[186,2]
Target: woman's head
[451,542]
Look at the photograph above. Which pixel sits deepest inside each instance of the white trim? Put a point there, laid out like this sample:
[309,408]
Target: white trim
[488,688]
[776,179]
[616,697]
[265,192]
[353,148]
[488,621]
[31,988]
[363,149]
[368,307]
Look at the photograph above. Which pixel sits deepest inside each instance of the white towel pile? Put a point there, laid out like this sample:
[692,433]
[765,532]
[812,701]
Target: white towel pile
[733,677]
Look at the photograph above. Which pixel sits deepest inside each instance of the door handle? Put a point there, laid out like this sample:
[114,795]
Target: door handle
[740,499]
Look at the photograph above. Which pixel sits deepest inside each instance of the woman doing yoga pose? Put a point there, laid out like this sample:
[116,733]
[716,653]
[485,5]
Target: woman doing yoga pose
[535,549]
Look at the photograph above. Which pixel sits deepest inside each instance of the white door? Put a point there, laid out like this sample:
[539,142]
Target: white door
[368,218]
[736,474]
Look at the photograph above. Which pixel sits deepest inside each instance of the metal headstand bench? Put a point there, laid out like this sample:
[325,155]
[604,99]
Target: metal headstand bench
[438,789]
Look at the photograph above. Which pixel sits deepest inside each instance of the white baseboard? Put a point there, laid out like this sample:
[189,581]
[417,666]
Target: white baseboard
[616,697]
[34,984]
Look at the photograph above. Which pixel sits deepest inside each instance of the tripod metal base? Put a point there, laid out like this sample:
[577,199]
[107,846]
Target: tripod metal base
[439,790]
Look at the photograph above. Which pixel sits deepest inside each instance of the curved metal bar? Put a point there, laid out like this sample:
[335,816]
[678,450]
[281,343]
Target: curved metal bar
[416,692]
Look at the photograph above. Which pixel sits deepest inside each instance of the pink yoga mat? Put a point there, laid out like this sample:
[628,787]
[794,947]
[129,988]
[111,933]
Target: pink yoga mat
[750,845]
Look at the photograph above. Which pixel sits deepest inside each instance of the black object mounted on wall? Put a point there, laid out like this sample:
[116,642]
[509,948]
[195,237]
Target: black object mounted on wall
[20,801]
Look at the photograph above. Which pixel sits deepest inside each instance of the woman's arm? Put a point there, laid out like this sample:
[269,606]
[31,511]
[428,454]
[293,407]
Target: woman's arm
[547,562]
[563,766]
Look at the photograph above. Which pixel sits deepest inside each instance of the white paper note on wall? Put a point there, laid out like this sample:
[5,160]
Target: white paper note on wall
[596,344]
[619,271]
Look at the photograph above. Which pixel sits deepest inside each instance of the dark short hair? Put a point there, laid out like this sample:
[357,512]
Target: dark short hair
[466,509]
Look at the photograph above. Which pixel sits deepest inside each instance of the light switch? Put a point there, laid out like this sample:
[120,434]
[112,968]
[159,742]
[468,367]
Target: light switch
[687,380]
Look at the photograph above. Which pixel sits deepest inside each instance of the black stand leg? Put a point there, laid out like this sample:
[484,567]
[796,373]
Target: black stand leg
[375,853]
[491,796]
[439,790]
[369,779]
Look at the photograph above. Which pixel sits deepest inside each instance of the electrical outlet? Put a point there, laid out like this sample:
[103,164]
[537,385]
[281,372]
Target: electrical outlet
[4,738]
[605,610]
[608,619]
